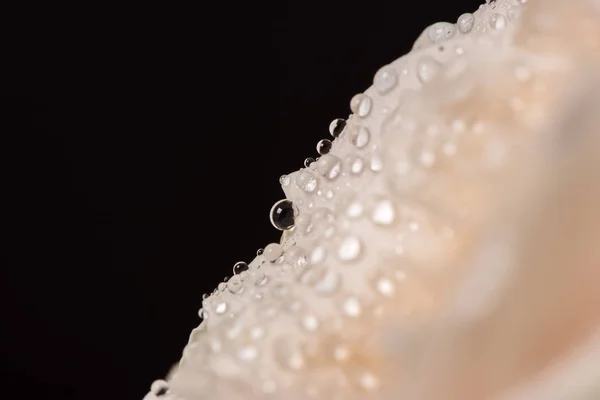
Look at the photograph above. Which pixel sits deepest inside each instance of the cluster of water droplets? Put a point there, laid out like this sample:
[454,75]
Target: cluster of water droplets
[364,227]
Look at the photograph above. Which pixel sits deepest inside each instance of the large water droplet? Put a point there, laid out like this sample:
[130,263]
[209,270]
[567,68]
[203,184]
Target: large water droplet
[465,23]
[329,166]
[336,127]
[239,267]
[349,249]
[324,146]
[385,79]
[282,215]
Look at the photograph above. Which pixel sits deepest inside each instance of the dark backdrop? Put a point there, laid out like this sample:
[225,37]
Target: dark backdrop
[142,147]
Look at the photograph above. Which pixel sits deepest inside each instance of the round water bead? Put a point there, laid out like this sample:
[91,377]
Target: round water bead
[159,387]
[385,79]
[260,251]
[465,23]
[239,267]
[272,252]
[308,161]
[282,215]
[337,127]
[306,181]
[329,166]
[324,146]
[360,136]
[440,31]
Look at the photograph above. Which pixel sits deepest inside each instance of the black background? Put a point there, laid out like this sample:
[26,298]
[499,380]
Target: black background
[142,147]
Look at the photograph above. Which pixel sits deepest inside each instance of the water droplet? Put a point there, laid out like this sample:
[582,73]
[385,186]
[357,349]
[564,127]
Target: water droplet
[284,180]
[351,307]
[240,267]
[336,127]
[360,136]
[498,21]
[376,163]
[221,308]
[355,209]
[247,353]
[289,355]
[356,165]
[385,79]
[308,161]
[324,146]
[260,251]
[383,213]
[465,23]
[310,323]
[355,102]
[159,387]
[317,255]
[364,107]
[329,166]
[427,69]
[235,285]
[272,252]
[385,286]
[349,249]
[282,215]
[441,31]
[327,283]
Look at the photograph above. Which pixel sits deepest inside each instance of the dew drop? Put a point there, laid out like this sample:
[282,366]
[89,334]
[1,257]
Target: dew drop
[272,252]
[235,285]
[385,287]
[260,251]
[376,163]
[329,166]
[440,31]
[355,102]
[357,165]
[317,255]
[364,107]
[221,308]
[308,161]
[349,249]
[498,21]
[351,307]
[465,23]
[355,209]
[385,79]
[282,215]
[296,257]
[310,323]
[427,69]
[360,136]
[159,387]
[383,213]
[240,267]
[336,127]
[324,146]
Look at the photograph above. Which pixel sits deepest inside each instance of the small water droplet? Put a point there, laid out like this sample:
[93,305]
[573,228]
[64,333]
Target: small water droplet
[360,136]
[260,251]
[239,267]
[355,102]
[282,215]
[385,286]
[308,161]
[336,127]
[376,163]
[427,69]
[357,165]
[284,180]
[465,23]
[310,323]
[385,79]
[295,256]
[355,209]
[272,252]
[349,249]
[235,285]
[383,213]
[324,146]
[351,307]
[317,255]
